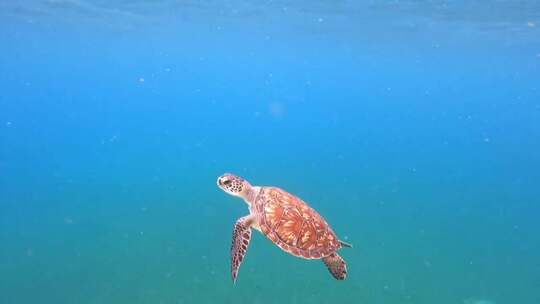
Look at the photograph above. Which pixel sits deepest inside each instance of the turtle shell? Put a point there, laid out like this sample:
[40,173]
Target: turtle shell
[293,226]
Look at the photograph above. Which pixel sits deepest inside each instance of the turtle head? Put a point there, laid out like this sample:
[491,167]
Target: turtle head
[233,185]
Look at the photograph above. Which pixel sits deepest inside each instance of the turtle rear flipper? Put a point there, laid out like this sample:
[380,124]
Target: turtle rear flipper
[336,265]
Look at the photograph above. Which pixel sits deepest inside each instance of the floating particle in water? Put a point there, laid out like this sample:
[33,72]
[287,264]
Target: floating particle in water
[320,20]
[276,109]
[68,220]
[141,79]
[29,252]
[486,139]
[8,124]
[531,24]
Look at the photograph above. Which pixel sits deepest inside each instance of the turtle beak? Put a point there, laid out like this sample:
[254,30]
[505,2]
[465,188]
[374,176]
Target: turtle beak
[221,181]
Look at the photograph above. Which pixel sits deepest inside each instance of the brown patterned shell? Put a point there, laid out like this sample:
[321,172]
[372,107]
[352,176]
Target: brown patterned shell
[292,225]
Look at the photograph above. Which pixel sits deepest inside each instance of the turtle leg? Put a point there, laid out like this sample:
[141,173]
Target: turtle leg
[336,265]
[240,241]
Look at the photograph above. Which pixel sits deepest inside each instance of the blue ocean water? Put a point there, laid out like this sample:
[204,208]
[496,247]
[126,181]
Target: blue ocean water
[413,127]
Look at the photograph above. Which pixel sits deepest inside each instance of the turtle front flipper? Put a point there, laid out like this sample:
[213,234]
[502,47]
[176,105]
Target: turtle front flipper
[240,242]
[336,265]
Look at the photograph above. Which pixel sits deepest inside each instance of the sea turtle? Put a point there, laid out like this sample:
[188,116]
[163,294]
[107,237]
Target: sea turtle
[284,219]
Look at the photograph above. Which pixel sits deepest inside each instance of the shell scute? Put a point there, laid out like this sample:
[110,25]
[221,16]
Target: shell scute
[308,237]
[273,213]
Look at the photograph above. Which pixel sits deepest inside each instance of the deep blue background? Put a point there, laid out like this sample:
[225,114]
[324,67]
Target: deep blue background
[413,127]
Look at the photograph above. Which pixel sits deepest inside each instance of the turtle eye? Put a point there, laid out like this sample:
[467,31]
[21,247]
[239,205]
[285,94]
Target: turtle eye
[227,182]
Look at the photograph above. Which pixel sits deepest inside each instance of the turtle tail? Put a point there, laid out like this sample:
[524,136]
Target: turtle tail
[345,244]
[336,265]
